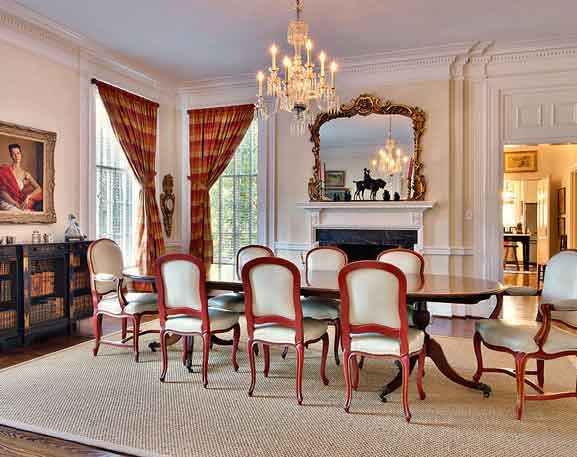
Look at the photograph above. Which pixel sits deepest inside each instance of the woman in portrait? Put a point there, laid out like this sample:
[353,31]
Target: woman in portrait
[18,189]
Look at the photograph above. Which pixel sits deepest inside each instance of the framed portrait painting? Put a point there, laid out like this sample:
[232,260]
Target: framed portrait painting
[521,161]
[26,175]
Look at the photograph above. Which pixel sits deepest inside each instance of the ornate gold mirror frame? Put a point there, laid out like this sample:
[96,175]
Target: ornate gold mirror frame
[364,105]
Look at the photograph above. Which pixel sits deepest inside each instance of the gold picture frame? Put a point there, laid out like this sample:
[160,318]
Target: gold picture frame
[26,196]
[521,161]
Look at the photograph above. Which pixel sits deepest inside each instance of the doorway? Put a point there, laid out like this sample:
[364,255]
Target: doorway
[539,209]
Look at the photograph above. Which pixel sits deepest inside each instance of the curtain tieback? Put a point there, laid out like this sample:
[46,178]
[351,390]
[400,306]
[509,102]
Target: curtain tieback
[149,181]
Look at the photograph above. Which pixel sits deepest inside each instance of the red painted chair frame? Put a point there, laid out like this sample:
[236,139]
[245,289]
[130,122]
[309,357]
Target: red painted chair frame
[401,333]
[296,324]
[98,315]
[202,314]
[336,323]
[261,246]
[522,358]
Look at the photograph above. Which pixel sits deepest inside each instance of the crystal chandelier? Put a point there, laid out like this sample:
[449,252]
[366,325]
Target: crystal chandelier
[299,90]
[391,159]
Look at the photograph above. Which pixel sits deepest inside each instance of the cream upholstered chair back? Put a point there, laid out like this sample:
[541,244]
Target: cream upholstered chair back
[561,284]
[250,252]
[272,288]
[409,262]
[105,264]
[325,258]
[180,280]
[373,293]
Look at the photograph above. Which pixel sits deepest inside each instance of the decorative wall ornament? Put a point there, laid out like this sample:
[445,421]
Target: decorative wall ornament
[26,175]
[167,203]
[364,105]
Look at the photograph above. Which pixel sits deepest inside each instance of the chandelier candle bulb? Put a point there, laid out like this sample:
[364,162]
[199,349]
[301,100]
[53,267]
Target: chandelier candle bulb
[333,71]
[322,58]
[273,51]
[309,48]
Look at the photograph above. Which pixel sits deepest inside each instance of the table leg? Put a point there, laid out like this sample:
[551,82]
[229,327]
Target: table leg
[433,350]
[172,339]
[526,259]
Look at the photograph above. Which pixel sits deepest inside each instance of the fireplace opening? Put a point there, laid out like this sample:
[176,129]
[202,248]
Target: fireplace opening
[366,244]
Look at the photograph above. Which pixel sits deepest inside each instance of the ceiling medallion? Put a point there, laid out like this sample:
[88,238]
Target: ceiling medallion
[300,90]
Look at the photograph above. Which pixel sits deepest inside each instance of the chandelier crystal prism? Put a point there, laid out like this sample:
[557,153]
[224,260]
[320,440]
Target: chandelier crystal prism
[299,90]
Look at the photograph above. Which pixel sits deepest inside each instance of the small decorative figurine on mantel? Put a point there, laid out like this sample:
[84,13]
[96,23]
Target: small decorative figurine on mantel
[73,232]
[368,183]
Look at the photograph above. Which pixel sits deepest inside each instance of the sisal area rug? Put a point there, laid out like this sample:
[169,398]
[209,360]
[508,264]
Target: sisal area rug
[114,403]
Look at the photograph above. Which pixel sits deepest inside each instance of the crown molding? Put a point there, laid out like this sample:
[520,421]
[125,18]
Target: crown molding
[24,27]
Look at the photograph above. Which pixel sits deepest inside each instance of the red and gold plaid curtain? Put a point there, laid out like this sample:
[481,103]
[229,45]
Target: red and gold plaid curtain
[133,120]
[215,133]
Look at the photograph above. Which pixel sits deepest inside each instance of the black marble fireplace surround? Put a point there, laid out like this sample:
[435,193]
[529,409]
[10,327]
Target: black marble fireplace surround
[366,244]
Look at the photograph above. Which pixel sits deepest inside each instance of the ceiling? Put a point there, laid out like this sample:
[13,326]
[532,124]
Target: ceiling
[197,39]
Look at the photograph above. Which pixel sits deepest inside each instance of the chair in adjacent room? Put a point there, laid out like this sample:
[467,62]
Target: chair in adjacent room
[234,301]
[510,254]
[374,323]
[318,261]
[183,308]
[274,316]
[555,336]
[109,297]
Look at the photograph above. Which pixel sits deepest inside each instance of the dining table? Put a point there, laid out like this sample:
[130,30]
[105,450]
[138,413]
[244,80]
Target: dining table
[421,290]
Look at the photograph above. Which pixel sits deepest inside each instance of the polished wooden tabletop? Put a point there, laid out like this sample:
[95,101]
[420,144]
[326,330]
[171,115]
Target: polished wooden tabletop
[430,287]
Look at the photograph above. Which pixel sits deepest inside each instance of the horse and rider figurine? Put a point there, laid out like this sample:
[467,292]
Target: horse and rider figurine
[368,183]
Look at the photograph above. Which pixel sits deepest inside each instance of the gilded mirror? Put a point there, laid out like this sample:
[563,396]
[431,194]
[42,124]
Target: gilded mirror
[369,150]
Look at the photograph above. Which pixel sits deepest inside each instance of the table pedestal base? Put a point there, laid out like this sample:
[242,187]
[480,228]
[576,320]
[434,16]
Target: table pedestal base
[434,351]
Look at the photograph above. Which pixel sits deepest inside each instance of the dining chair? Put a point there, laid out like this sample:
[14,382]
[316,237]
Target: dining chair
[374,323]
[324,259]
[234,301]
[553,337]
[274,316]
[109,297]
[183,308]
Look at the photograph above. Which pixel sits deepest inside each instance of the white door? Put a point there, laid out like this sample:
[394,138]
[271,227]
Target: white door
[543,220]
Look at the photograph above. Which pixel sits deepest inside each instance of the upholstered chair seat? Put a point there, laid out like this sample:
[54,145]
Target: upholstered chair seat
[110,297]
[521,337]
[554,336]
[274,316]
[219,321]
[322,259]
[312,330]
[374,323]
[183,309]
[376,343]
[234,301]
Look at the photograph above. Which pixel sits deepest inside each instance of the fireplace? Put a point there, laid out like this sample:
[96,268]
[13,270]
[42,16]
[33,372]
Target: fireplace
[366,244]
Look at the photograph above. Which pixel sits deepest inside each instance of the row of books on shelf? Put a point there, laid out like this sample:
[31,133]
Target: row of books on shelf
[4,268]
[8,319]
[5,290]
[81,280]
[81,305]
[75,260]
[42,283]
[47,310]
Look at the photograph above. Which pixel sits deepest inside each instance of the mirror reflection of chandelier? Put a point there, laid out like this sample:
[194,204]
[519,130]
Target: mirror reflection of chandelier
[390,160]
[301,86]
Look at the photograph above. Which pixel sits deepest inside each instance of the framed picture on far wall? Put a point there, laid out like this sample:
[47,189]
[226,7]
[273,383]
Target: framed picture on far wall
[26,175]
[520,161]
[561,201]
[335,178]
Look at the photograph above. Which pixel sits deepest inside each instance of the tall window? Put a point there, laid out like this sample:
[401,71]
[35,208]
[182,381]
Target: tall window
[233,201]
[116,187]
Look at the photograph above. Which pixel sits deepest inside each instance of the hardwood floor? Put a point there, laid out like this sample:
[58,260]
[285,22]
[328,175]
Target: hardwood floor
[17,443]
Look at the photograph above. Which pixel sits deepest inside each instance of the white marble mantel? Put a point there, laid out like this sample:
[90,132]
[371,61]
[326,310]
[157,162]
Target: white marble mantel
[371,215]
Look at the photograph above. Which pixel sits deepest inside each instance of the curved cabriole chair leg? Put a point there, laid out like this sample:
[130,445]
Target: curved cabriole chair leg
[324,355]
[541,373]
[135,335]
[251,362]
[266,355]
[520,364]
[347,368]
[337,340]
[164,352]
[184,349]
[235,340]
[205,351]
[97,322]
[356,373]
[420,373]
[405,361]
[300,365]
